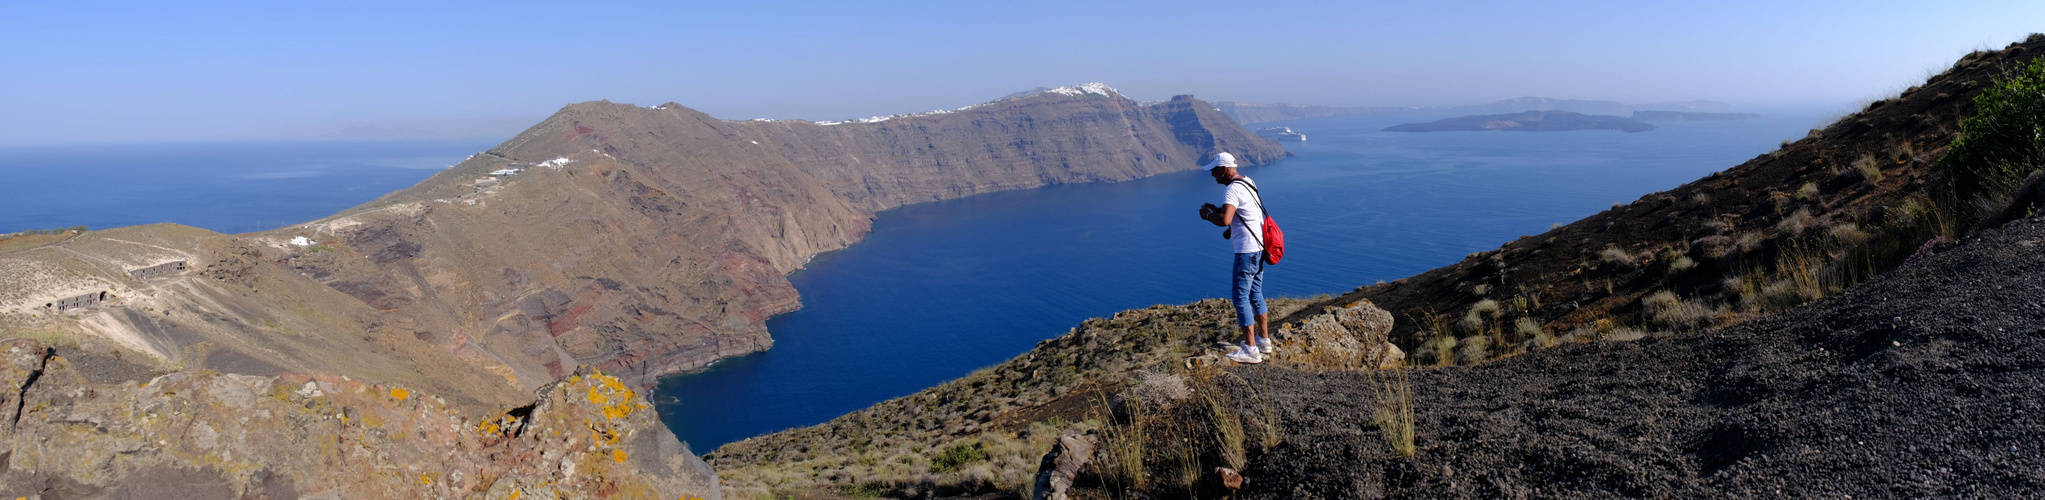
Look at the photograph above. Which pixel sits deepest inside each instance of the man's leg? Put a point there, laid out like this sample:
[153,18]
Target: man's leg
[1257,305]
[1243,284]
[1264,328]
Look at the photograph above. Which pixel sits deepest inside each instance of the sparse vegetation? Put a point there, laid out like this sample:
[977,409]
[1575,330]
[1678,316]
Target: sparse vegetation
[1796,223]
[1473,349]
[1394,417]
[1616,255]
[957,456]
[2000,145]
[1869,168]
[1670,311]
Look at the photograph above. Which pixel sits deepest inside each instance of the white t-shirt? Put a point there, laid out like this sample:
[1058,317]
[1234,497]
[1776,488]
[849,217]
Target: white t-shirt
[1249,213]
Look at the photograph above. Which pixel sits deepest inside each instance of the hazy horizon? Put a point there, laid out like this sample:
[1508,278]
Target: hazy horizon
[100,73]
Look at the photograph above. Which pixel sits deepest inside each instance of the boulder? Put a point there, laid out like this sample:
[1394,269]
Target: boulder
[1061,467]
[1352,336]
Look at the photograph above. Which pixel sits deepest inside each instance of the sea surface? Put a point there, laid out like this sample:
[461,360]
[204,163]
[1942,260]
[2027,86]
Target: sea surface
[941,289]
[230,187]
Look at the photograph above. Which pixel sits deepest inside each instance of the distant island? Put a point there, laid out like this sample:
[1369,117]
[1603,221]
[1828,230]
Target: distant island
[1530,121]
[1249,112]
[1689,116]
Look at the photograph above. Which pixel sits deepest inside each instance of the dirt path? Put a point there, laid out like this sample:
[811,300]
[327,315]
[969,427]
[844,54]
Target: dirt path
[1929,381]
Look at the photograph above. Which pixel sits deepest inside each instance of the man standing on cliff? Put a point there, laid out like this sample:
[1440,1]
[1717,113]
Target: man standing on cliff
[1242,212]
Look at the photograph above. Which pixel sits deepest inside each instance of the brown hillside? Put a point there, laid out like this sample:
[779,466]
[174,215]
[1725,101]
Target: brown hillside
[662,243]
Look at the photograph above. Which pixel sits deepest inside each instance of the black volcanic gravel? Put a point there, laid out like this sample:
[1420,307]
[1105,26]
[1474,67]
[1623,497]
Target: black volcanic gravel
[1926,382]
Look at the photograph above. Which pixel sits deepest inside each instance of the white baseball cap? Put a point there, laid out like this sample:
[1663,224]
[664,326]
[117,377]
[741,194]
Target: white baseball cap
[1222,159]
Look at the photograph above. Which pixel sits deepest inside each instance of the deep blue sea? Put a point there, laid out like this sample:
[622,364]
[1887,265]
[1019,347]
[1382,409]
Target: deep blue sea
[941,289]
[227,186]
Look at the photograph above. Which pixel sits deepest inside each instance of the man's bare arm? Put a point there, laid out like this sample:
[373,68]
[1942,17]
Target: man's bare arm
[1226,216]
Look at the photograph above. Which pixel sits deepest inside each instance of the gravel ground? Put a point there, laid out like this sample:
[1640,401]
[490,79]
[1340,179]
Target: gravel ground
[1924,382]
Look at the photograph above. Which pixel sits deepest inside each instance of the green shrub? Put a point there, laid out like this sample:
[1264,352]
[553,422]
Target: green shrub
[956,457]
[2002,143]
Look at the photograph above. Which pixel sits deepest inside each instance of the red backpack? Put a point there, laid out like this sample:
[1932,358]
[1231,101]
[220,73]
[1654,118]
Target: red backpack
[1274,239]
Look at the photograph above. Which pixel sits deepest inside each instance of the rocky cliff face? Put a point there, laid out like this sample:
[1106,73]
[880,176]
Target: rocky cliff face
[646,241]
[197,434]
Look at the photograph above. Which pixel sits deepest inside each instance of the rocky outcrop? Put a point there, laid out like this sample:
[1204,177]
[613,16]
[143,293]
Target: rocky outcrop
[1351,336]
[210,435]
[1062,465]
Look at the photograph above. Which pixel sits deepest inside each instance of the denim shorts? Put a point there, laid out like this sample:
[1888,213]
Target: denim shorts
[1249,288]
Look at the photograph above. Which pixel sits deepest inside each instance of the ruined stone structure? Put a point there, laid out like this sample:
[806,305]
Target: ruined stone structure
[167,268]
[77,302]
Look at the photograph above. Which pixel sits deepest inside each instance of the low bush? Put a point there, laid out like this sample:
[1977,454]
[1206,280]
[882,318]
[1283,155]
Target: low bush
[2001,144]
[956,457]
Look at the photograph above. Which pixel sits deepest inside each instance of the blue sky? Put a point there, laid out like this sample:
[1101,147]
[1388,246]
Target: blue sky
[81,72]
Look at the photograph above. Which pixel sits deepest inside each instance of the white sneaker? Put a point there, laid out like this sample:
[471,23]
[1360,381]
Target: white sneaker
[1244,356]
[1264,346]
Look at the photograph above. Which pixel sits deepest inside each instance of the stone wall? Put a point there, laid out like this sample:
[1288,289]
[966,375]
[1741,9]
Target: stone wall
[77,302]
[163,269]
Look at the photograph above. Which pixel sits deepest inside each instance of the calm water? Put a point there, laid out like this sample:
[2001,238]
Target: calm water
[941,289]
[225,187]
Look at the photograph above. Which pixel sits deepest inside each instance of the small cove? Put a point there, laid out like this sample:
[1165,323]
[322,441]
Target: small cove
[941,289]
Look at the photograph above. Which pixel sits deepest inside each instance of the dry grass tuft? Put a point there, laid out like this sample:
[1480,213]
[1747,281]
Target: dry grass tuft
[1668,310]
[1870,169]
[1612,254]
[1394,416]
[1807,192]
[1796,223]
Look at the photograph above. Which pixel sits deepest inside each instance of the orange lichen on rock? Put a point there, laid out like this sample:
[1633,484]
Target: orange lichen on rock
[611,394]
[399,393]
[618,456]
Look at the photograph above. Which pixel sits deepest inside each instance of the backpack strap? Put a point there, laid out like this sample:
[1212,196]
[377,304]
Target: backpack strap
[1246,225]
